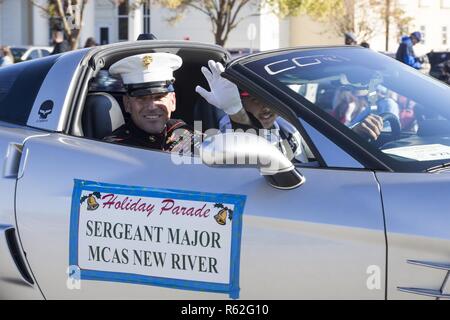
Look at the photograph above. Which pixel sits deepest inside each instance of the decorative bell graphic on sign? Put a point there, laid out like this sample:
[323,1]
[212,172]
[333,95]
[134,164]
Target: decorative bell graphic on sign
[221,217]
[92,204]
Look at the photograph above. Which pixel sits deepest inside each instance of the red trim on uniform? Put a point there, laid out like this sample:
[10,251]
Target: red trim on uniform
[177,124]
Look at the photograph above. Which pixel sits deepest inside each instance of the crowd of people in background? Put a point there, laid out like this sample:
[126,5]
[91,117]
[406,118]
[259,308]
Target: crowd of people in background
[60,45]
[445,75]
[6,57]
[351,40]
[405,52]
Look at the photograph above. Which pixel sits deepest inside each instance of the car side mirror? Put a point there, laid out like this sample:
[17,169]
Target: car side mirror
[239,149]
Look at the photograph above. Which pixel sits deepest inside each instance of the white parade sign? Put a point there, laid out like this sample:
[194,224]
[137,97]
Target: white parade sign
[179,239]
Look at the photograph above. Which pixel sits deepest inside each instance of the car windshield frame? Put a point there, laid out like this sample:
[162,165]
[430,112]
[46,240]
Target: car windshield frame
[253,65]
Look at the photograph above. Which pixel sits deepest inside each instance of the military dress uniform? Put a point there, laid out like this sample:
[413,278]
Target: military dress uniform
[146,75]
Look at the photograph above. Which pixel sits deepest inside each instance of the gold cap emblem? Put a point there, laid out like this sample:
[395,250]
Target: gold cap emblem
[146,61]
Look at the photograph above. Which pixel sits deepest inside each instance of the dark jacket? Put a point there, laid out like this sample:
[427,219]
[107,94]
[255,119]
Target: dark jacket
[445,75]
[61,47]
[177,137]
[405,53]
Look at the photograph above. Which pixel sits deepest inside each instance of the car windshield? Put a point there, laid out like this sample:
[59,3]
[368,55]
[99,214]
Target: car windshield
[348,84]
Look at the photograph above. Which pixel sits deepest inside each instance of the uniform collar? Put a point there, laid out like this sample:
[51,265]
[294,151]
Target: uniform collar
[146,137]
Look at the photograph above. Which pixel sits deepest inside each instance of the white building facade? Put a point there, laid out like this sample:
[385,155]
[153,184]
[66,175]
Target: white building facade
[24,24]
[21,23]
[15,22]
[431,17]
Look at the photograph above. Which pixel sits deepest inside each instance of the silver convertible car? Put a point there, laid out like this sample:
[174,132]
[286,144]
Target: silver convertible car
[359,217]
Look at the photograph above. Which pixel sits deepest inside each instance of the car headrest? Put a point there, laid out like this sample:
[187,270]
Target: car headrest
[101,115]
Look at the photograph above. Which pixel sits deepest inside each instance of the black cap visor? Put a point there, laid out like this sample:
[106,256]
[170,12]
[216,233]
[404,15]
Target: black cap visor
[149,88]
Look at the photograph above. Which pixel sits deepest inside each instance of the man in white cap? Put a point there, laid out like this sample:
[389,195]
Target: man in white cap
[150,101]
[248,113]
[225,96]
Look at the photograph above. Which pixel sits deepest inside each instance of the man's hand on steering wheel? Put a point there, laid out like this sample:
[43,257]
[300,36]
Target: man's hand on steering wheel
[370,127]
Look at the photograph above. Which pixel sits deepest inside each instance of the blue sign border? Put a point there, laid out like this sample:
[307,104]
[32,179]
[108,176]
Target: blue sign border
[236,231]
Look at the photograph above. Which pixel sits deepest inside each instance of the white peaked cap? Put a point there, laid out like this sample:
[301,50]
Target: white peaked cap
[147,67]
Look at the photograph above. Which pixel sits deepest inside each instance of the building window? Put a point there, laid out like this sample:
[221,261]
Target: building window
[146,16]
[444,36]
[423,30]
[445,4]
[123,21]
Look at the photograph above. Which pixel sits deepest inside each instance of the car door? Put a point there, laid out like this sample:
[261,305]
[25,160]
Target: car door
[324,239]
[417,224]
[411,161]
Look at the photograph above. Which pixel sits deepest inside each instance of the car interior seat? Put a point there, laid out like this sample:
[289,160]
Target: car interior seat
[191,107]
[208,114]
[102,115]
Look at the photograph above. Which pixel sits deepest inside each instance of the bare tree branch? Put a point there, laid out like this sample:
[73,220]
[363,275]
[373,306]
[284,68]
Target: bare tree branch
[226,15]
